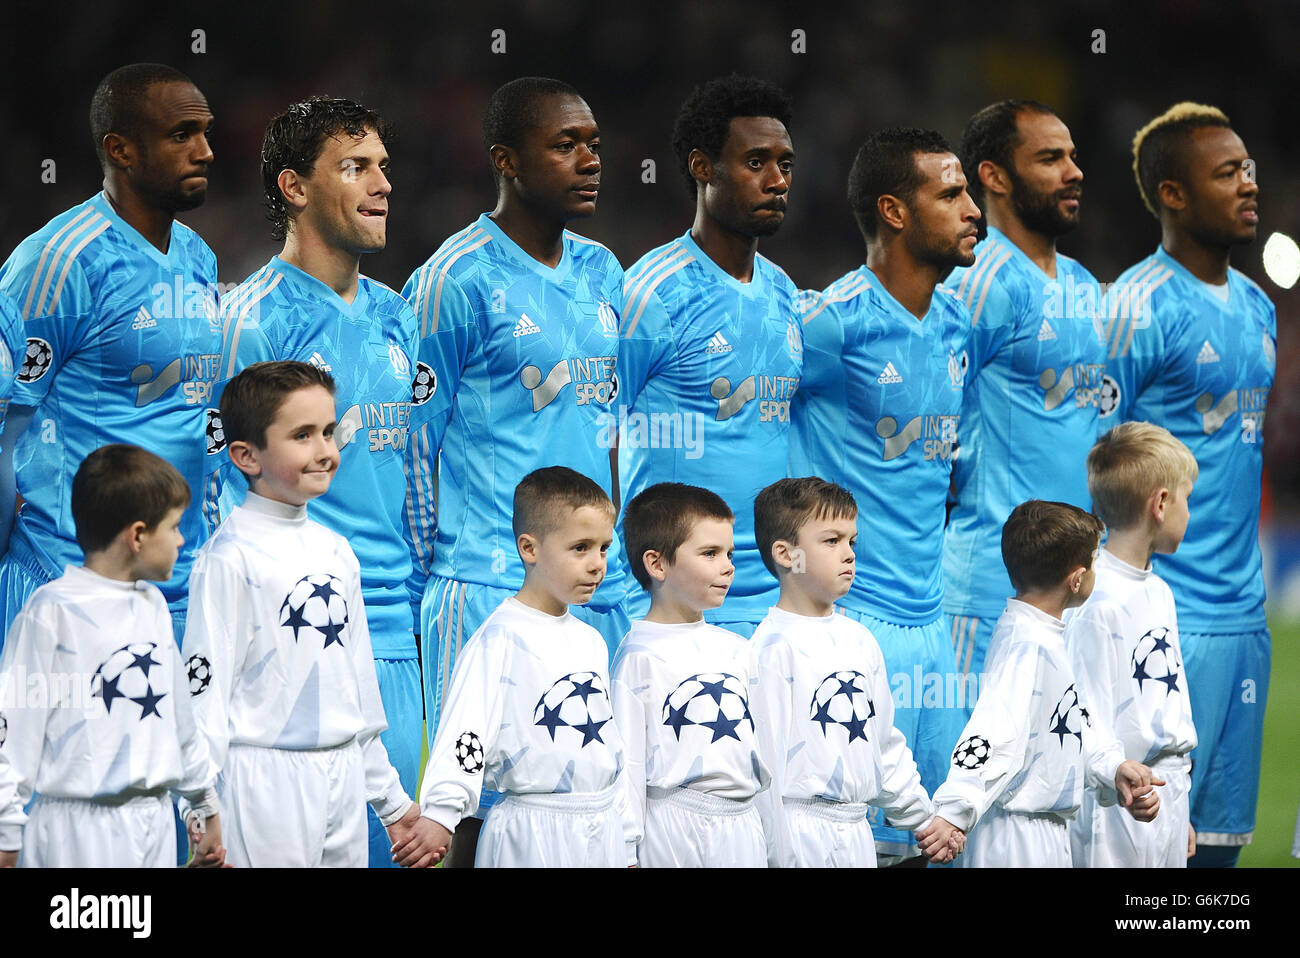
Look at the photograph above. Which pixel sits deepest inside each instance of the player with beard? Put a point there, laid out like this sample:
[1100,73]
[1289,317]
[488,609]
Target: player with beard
[518,325]
[1192,348]
[1030,413]
[711,350]
[118,302]
[878,413]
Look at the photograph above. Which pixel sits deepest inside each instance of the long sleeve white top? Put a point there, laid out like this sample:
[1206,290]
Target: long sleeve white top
[1029,743]
[277,621]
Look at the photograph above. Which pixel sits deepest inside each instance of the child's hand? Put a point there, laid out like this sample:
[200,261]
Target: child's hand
[1135,784]
[9,859]
[940,840]
[1191,841]
[418,842]
[205,843]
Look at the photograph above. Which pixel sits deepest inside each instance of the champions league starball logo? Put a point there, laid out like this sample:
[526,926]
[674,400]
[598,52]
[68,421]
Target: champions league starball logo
[1068,718]
[199,672]
[469,753]
[128,676]
[712,700]
[971,752]
[579,702]
[315,607]
[841,699]
[1154,660]
[36,361]
[1108,401]
[424,385]
[4,729]
[214,432]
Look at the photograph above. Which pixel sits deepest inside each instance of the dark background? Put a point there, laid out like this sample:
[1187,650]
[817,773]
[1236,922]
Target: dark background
[429,69]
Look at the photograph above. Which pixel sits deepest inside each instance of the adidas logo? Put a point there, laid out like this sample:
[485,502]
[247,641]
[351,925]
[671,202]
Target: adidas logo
[318,361]
[143,320]
[718,344]
[1207,354]
[525,326]
[1046,332]
[890,375]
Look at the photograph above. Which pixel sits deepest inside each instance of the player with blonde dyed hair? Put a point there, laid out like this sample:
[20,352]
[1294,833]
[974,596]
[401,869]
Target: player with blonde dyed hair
[1124,645]
[1192,347]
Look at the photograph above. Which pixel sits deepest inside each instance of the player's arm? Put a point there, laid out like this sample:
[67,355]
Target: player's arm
[993,745]
[448,335]
[646,344]
[902,797]
[17,420]
[11,815]
[29,651]
[1135,339]
[1090,642]
[630,718]
[772,710]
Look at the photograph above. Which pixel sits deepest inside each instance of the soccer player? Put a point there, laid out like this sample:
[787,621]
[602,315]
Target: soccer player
[885,362]
[711,353]
[292,711]
[104,752]
[1192,348]
[1123,644]
[681,691]
[518,339]
[1019,771]
[118,302]
[528,709]
[324,170]
[1030,410]
[821,697]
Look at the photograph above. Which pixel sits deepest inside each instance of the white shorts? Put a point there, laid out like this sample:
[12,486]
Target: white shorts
[1112,838]
[830,834]
[72,833]
[553,830]
[282,808]
[686,828]
[1003,839]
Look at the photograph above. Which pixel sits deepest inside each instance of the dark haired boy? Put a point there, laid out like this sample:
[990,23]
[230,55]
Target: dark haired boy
[822,703]
[528,712]
[325,175]
[1193,348]
[711,351]
[291,707]
[681,690]
[879,411]
[103,751]
[118,308]
[518,330]
[1019,770]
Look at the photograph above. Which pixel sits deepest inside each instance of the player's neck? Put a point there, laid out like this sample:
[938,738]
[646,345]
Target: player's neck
[540,238]
[1052,601]
[153,224]
[1039,247]
[535,597]
[1134,546]
[1207,263]
[904,277]
[112,563]
[336,268]
[732,252]
[667,610]
[801,603]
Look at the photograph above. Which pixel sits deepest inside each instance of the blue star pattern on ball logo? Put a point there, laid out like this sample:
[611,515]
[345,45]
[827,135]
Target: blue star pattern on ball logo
[1154,660]
[712,700]
[128,674]
[577,701]
[315,605]
[841,699]
[1069,717]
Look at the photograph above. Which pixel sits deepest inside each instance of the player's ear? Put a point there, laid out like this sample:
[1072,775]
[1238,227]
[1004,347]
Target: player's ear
[1171,194]
[527,544]
[244,456]
[1075,579]
[699,166]
[292,189]
[891,211]
[783,553]
[655,566]
[1159,502]
[134,535]
[994,178]
[504,161]
[119,151]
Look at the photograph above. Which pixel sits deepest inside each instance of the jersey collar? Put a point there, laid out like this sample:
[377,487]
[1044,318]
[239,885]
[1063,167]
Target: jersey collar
[173,259]
[1183,273]
[754,289]
[309,284]
[516,252]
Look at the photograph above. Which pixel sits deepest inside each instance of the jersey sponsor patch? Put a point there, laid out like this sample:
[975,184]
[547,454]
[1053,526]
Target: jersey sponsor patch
[469,753]
[36,361]
[143,320]
[890,375]
[718,344]
[525,326]
[199,672]
[424,385]
[971,752]
[214,433]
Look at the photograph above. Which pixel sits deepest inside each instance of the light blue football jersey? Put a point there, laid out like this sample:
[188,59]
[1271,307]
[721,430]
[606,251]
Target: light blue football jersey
[1202,368]
[281,312]
[879,413]
[708,367]
[123,343]
[516,372]
[1031,410]
[13,350]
